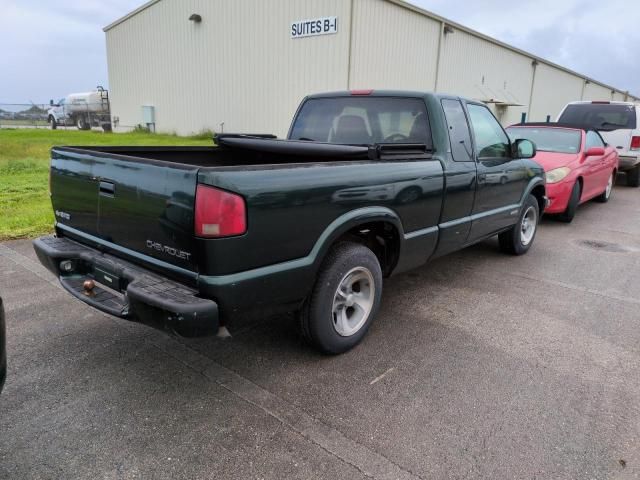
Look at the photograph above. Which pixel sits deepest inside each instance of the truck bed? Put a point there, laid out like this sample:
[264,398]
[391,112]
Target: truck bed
[251,151]
[139,201]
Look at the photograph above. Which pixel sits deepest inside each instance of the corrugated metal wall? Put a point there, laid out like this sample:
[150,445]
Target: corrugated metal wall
[392,47]
[239,66]
[594,91]
[475,68]
[553,89]
[239,69]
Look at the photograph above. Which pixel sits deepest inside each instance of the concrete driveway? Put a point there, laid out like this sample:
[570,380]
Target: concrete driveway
[479,365]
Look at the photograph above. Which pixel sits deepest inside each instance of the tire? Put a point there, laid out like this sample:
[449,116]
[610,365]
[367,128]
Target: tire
[633,177]
[606,195]
[503,180]
[572,206]
[82,124]
[52,121]
[333,322]
[518,240]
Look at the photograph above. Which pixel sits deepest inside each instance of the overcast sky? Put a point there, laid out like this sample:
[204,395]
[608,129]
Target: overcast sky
[51,48]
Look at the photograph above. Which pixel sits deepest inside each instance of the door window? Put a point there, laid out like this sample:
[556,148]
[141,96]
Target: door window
[459,135]
[491,140]
[593,140]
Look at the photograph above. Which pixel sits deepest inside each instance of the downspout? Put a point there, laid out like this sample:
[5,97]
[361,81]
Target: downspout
[534,64]
[439,56]
[584,87]
[350,46]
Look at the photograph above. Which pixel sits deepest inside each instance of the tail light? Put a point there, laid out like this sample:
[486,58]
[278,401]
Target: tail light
[635,143]
[219,213]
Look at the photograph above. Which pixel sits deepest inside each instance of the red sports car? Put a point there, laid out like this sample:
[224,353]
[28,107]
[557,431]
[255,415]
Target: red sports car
[578,164]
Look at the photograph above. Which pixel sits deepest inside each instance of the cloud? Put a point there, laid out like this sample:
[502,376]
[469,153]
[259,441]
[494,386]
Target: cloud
[594,38]
[52,48]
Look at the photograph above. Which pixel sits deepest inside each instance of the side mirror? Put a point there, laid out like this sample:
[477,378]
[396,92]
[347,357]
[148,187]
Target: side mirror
[594,152]
[51,102]
[524,148]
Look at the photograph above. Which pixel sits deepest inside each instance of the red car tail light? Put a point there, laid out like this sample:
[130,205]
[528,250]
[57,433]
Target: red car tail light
[219,213]
[635,143]
[361,92]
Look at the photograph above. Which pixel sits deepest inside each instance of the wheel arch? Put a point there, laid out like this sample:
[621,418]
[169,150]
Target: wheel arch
[378,228]
[538,189]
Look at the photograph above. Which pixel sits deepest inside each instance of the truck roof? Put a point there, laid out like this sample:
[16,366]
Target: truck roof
[566,126]
[384,93]
[601,102]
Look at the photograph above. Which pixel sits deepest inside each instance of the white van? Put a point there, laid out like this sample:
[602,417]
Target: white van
[618,123]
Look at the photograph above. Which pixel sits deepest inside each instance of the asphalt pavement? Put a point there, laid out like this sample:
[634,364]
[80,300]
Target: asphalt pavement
[479,365]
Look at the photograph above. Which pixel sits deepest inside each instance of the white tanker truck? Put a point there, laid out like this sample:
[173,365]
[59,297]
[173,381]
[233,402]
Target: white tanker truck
[84,110]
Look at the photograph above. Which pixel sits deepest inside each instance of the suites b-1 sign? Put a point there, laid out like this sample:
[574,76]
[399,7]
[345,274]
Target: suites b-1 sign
[317,26]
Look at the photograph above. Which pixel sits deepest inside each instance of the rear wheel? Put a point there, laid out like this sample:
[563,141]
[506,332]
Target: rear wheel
[82,123]
[633,177]
[572,206]
[344,300]
[606,195]
[519,239]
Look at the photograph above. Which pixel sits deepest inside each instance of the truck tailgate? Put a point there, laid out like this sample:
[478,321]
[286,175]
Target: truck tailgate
[139,204]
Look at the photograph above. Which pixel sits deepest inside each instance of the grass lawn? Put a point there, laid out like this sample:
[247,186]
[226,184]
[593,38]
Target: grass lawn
[25,208]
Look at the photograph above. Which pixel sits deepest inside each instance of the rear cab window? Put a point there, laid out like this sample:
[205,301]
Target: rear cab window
[363,121]
[600,116]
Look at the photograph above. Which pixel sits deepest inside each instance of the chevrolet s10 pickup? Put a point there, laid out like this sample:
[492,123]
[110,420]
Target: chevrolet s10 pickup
[368,184]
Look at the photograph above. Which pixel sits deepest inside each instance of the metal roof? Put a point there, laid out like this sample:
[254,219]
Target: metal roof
[129,15]
[433,16]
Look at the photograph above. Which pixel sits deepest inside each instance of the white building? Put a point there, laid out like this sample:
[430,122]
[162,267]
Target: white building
[244,65]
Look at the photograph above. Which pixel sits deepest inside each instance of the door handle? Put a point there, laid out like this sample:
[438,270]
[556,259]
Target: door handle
[107,189]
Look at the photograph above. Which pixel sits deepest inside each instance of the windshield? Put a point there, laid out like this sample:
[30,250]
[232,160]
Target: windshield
[600,116]
[557,140]
[363,121]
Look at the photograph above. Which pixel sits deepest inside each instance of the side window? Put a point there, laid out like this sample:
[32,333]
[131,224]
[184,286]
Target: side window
[593,140]
[459,134]
[491,141]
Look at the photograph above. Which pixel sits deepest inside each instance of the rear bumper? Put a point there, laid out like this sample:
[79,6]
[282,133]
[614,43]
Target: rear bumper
[628,162]
[123,289]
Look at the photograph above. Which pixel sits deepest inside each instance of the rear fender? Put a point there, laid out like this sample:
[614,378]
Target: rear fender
[288,283]
[349,221]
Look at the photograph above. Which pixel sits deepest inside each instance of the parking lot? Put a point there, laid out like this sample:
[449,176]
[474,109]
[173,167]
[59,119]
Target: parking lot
[479,365]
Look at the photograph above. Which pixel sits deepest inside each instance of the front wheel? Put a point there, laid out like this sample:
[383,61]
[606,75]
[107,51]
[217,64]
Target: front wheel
[606,195]
[344,300]
[82,123]
[52,122]
[572,206]
[519,239]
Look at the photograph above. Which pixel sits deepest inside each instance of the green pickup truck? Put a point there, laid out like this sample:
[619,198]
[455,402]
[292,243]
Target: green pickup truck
[367,185]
